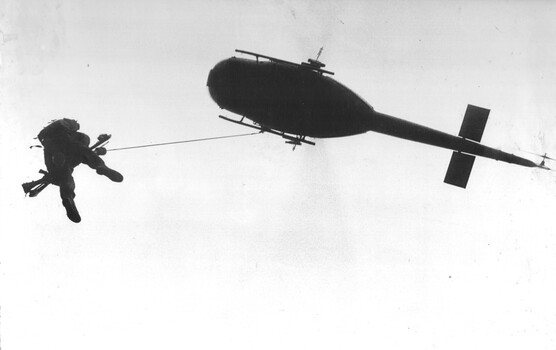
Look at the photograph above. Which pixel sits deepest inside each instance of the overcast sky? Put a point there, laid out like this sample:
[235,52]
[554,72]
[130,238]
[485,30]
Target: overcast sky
[241,243]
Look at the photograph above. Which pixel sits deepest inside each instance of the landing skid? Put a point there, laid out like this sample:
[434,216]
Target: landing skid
[291,139]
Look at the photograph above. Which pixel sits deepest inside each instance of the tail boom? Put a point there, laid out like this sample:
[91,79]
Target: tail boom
[465,146]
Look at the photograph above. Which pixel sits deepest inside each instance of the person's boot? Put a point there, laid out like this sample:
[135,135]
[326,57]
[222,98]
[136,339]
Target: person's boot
[71,210]
[110,173]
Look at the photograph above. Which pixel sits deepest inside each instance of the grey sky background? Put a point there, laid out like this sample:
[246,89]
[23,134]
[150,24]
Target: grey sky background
[242,243]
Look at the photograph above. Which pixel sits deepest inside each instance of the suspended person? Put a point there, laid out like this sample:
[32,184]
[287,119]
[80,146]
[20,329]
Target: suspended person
[64,149]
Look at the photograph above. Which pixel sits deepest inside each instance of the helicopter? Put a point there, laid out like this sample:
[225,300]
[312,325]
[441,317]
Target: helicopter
[300,100]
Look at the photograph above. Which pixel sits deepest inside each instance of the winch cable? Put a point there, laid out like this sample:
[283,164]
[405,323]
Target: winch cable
[183,141]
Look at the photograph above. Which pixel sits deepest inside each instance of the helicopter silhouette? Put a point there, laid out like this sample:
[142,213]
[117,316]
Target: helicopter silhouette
[300,100]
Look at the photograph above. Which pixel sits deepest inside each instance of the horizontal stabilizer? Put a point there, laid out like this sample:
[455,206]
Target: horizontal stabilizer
[459,169]
[474,123]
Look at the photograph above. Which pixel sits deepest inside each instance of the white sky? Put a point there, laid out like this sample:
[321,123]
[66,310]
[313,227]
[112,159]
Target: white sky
[355,243]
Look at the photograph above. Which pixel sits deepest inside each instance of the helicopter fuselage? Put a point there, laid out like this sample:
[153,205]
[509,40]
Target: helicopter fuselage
[300,99]
[292,99]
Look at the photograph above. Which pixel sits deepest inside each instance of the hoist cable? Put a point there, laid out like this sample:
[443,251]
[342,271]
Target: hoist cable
[183,141]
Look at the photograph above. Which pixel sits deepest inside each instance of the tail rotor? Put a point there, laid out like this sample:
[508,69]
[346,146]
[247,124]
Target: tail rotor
[544,158]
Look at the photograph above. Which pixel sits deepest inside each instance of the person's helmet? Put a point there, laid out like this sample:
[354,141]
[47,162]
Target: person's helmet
[69,124]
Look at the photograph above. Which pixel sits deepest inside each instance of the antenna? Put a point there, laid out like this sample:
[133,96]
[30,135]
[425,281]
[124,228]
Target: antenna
[315,62]
[318,55]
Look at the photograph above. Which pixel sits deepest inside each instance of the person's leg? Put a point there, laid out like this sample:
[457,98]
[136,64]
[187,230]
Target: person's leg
[95,162]
[67,192]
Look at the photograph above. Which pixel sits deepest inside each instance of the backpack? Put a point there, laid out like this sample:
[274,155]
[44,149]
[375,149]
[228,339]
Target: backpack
[57,130]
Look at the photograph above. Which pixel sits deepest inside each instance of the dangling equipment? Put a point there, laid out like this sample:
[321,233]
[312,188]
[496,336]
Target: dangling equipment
[33,188]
